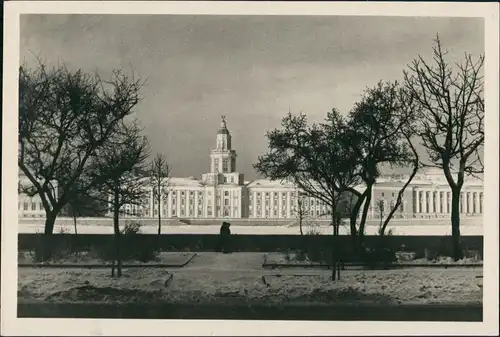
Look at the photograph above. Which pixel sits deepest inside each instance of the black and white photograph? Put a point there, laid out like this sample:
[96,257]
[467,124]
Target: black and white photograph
[201,167]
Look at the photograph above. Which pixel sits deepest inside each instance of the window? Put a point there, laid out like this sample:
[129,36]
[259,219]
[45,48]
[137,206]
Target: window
[182,211]
[225,165]
[312,202]
[191,193]
[33,206]
[182,193]
[226,202]
[267,202]
[232,180]
[226,193]
[275,212]
[183,201]
[267,195]
[25,206]
[225,180]
[226,212]
[382,193]
[40,205]
[392,193]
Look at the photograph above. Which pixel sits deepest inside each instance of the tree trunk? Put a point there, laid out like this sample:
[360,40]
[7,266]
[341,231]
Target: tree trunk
[455,224]
[159,223]
[334,244]
[74,224]
[116,227]
[366,207]
[354,218]
[50,221]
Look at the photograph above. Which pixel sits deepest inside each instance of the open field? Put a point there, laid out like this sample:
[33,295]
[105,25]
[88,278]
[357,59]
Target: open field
[256,230]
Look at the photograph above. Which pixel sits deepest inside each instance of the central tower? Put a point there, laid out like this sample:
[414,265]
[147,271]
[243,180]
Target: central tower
[223,158]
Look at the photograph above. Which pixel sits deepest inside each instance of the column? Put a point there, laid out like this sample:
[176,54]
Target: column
[470,201]
[424,202]
[169,205]
[417,202]
[196,194]
[271,204]
[288,204]
[151,203]
[477,203]
[431,202]
[280,204]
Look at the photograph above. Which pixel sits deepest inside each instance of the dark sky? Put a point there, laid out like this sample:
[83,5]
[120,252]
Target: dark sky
[252,69]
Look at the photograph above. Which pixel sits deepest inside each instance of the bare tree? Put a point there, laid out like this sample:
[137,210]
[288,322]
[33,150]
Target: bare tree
[451,113]
[301,211]
[159,174]
[380,128]
[117,170]
[415,164]
[315,159]
[64,117]
[84,200]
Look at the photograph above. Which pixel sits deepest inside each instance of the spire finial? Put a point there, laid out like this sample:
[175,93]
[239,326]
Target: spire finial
[223,123]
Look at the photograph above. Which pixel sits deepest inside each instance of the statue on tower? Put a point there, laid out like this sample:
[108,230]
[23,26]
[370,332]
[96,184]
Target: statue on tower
[223,123]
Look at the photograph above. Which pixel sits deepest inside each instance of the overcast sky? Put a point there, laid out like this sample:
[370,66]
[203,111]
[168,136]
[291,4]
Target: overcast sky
[252,69]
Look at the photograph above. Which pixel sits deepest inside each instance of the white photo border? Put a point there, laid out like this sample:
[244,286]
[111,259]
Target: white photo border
[12,326]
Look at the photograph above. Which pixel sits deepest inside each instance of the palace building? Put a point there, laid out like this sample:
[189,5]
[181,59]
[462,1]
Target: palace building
[224,193]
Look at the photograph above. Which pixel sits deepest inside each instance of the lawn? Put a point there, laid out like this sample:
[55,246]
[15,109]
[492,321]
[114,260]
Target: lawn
[213,278]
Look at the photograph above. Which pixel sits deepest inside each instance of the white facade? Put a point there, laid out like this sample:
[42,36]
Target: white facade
[30,206]
[223,193]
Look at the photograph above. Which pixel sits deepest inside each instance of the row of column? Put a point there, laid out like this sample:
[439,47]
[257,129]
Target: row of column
[440,202]
[262,207]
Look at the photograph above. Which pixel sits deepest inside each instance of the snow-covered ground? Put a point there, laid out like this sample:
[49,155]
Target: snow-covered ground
[257,230]
[239,277]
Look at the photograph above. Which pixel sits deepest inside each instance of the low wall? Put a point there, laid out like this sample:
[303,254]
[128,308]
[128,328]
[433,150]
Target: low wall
[251,243]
